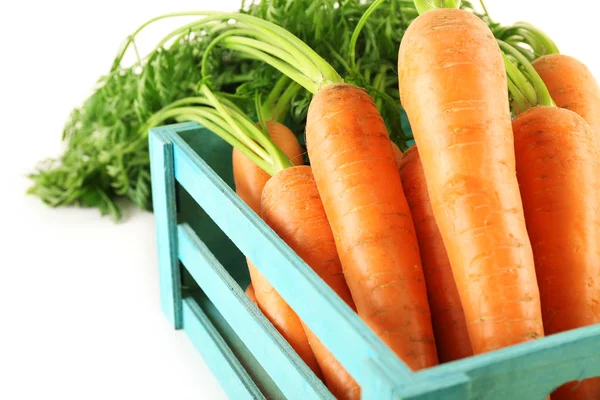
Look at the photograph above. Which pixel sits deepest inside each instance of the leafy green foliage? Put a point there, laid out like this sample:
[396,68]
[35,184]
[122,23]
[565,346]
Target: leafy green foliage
[107,151]
[107,154]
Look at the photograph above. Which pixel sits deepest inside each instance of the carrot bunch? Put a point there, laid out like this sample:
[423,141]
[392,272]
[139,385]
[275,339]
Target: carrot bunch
[485,234]
[557,168]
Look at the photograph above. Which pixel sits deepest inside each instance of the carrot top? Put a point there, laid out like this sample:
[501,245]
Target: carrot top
[230,123]
[423,6]
[529,40]
[525,86]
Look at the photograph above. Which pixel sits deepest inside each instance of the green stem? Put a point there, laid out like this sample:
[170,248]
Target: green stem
[283,106]
[427,5]
[222,132]
[266,110]
[485,10]
[379,85]
[409,12]
[283,67]
[279,159]
[357,30]
[519,80]
[289,40]
[542,41]
[226,114]
[282,50]
[168,112]
[528,54]
[261,118]
[520,102]
[218,125]
[528,34]
[149,22]
[308,68]
[541,91]
[339,58]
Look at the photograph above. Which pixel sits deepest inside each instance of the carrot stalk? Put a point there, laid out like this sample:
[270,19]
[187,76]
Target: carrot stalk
[453,87]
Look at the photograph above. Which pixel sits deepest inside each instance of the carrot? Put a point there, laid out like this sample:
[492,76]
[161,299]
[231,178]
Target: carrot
[453,88]
[250,181]
[356,173]
[448,318]
[283,318]
[251,294]
[557,166]
[359,183]
[249,178]
[292,207]
[572,86]
[397,154]
[297,215]
[557,162]
[256,148]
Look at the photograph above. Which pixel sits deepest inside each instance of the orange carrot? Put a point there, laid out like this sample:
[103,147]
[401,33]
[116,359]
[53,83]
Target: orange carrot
[291,200]
[357,176]
[249,178]
[557,167]
[397,154]
[572,86]
[291,206]
[359,183]
[251,294]
[453,87]
[250,181]
[448,317]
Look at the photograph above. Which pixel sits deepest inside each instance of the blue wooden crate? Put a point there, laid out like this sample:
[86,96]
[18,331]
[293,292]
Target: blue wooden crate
[204,231]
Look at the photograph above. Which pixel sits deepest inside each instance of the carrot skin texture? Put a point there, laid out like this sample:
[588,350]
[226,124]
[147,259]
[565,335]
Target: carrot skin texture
[571,86]
[453,87]
[283,318]
[557,167]
[249,178]
[397,154]
[292,207]
[250,181]
[448,318]
[359,183]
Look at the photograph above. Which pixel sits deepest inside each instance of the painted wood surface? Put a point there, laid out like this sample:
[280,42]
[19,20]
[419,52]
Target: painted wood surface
[315,303]
[165,214]
[233,378]
[276,356]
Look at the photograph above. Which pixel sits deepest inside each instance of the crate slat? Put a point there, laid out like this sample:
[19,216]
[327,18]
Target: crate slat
[163,200]
[314,302]
[527,371]
[276,356]
[234,379]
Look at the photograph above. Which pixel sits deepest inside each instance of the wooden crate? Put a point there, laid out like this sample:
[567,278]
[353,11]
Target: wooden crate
[204,231]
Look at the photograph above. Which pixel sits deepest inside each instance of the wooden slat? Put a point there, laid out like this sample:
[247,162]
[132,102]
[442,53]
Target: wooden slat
[276,356]
[165,213]
[314,302]
[222,362]
[526,371]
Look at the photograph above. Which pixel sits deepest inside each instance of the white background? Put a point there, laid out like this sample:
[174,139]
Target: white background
[79,307]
